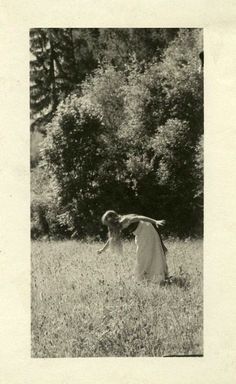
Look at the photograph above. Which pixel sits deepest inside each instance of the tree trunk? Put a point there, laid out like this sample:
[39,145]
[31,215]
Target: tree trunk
[52,74]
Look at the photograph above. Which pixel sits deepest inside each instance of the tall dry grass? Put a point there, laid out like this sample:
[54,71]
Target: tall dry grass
[84,304]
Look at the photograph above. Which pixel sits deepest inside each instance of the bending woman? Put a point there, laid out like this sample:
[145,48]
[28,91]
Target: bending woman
[150,250]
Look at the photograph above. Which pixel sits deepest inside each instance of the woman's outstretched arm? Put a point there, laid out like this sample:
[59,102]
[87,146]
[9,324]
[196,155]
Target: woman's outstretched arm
[152,221]
[126,220]
[104,247]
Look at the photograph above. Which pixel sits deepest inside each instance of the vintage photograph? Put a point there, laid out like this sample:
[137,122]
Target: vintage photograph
[116,167]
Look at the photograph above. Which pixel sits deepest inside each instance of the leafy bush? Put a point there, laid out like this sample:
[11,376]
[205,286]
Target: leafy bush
[129,140]
[44,207]
[71,156]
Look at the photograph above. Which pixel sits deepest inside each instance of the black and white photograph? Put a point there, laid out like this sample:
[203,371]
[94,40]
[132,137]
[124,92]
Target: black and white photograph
[116,172]
[117,193]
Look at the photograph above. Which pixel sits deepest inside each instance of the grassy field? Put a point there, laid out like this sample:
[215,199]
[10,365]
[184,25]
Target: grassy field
[84,304]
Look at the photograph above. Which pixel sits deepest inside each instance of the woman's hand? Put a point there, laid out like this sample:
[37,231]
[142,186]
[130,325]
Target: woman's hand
[160,223]
[103,248]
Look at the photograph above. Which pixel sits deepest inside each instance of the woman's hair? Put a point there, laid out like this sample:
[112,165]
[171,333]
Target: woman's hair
[111,220]
[110,217]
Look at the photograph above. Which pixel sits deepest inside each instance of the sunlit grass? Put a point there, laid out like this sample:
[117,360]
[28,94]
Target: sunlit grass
[84,304]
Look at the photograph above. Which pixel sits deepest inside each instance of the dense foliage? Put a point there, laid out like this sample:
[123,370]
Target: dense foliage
[61,58]
[127,135]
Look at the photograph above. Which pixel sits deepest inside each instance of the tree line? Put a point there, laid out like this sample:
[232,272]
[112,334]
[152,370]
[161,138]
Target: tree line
[120,114]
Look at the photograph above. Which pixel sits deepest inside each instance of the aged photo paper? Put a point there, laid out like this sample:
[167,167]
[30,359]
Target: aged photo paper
[218,20]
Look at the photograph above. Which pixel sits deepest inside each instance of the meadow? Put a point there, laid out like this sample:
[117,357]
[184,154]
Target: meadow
[89,305]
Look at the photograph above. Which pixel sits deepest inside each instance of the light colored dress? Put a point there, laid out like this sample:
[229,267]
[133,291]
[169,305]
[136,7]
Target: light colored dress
[151,258]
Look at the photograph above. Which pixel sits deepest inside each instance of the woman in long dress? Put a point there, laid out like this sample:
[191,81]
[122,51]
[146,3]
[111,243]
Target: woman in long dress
[150,250]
